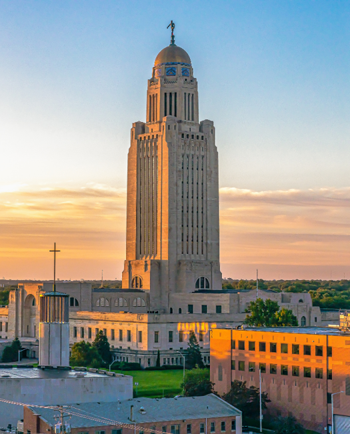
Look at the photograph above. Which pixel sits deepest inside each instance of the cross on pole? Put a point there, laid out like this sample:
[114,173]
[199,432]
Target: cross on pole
[54,251]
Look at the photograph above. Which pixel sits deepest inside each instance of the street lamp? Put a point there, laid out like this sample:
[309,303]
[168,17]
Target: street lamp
[336,393]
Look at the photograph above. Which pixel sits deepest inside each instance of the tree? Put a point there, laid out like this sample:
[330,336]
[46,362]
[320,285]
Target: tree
[288,425]
[84,354]
[267,314]
[197,382]
[246,399]
[10,353]
[194,356]
[158,360]
[102,345]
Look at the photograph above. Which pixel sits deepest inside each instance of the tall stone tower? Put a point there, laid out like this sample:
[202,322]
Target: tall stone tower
[172,199]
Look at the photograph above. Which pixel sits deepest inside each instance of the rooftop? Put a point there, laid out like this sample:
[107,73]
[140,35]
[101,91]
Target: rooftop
[37,373]
[299,330]
[155,410]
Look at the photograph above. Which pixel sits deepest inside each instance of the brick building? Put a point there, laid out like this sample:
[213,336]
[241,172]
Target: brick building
[195,415]
[301,368]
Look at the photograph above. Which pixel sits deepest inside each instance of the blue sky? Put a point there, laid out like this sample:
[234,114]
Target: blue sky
[273,75]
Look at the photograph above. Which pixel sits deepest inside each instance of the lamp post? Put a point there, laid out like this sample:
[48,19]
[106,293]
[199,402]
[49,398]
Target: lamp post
[184,366]
[336,393]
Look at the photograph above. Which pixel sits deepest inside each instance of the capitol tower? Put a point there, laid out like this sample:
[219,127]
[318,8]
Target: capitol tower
[172,244]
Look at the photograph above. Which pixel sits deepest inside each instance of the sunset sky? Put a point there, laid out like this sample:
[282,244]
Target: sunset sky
[274,76]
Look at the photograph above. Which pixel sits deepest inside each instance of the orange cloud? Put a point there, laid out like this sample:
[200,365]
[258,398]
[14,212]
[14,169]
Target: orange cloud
[281,232]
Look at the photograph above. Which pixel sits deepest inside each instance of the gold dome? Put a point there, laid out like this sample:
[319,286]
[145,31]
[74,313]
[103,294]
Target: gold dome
[172,54]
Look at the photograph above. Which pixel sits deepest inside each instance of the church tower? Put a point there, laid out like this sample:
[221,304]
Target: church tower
[172,194]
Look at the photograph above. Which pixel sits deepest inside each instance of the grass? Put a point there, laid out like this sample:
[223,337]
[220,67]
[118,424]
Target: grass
[156,384]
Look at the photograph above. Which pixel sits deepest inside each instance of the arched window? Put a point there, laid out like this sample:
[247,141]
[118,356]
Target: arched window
[303,321]
[121,302]
[102,302]
[136,282]
[171,310]
[139,302]
[202,283]
[73,302]
[180,310]
[301,301]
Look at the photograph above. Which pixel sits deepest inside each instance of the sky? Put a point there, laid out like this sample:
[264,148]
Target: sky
[273,75]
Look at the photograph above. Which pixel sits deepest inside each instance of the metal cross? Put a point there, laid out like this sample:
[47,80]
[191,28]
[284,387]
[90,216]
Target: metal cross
[54,265]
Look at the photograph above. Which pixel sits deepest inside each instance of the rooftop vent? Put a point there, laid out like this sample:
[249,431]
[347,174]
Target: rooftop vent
[142,410]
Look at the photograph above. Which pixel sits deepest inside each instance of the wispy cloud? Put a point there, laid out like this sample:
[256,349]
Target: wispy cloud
[279,228]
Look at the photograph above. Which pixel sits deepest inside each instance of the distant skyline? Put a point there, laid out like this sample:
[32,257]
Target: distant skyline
[273,76]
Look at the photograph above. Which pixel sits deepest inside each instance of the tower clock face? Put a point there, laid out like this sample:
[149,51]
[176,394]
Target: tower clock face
[170,71]
[185,72]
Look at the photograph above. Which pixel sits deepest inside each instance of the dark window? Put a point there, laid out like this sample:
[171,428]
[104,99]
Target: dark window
[218,309]
[116,431]
[251,346]
[319,373]
[121,335]
[329,351]
[75,331]
[140,336]
[201,428]
[251,366]
[181,336]
[170,336]
[189,428]
[171,310]
[89,333]
[295,349]
[307,350]
[233,345]
[233,364]
[204,308]
[128,335]
[319,351]
[262,346]
[212,426]
[307,372]
[82,332]
[284,370]
[180,310]
[329,374]
[156,337]
[295,371]
[200,336]
[165,104]
[273,369]
[190,308]
[347,385]
[273,347]
[104,332]
[241,366]
[262,367]
[112,335]
[233,425]
[241,345]
[223,426]
[284,348]
[329,398]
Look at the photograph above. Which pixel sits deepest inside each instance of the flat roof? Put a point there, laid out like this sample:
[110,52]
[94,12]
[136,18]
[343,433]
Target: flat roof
[37,373]
[156,410]
[298,330]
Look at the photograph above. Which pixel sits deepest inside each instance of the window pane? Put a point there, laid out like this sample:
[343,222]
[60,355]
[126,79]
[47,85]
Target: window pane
[233,364]
[251,366]
[295,371]
[319,351]
[241,345]
[262,367]
[319,373]
[262,346]
[307,350]
[295,349]
[284,370]
[307,372]
[273,369]
[273,347]
[251,346]
[241,366]
[284,348]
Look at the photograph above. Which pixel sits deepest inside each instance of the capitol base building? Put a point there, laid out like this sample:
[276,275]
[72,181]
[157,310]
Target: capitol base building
[171,282]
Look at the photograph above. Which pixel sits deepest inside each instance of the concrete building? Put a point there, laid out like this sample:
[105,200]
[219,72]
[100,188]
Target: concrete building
[194,415]
[301,369]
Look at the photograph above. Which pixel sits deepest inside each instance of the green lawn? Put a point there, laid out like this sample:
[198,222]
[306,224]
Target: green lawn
[156,384]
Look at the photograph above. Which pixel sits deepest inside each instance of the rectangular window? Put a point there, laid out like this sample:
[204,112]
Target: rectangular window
[273,369]
[96,332]
[121,335]
[329,398]
[201,428]
[200,336]
[233,345]
[0,326]
[241,366]
[112,335]
[233,425]
[319,373]
[223,426]
[284,370]
[307,350]
[105,332]
[204,308]
[189,428]
[82,332]
[251,346]
[163,428]
[100,432]
[233,364]
[190,308]
[175,429]
[284,348]
[6,326]
[156,337]
[212,426]
[319,351]
[273,347]
[307,372]
[75,331]
[329,374]
[262,367]
[329,351]
[140,336]
[241,345]
[218,309]
[128,335]
[117,431]
[170,336]
[262,346]
[181,336]
[89,333]
[295,349]
[251,367]
[295,371]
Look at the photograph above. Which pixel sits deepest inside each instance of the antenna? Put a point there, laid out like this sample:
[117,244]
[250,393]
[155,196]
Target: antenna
[257,283]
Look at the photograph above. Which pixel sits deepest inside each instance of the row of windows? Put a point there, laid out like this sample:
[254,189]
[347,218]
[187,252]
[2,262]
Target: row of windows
[284,369]
[204,308]
[307,350]
[4,328]
[192,137]
[120,302]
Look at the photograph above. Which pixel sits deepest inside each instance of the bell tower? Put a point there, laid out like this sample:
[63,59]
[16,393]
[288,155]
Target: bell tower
[172,200]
